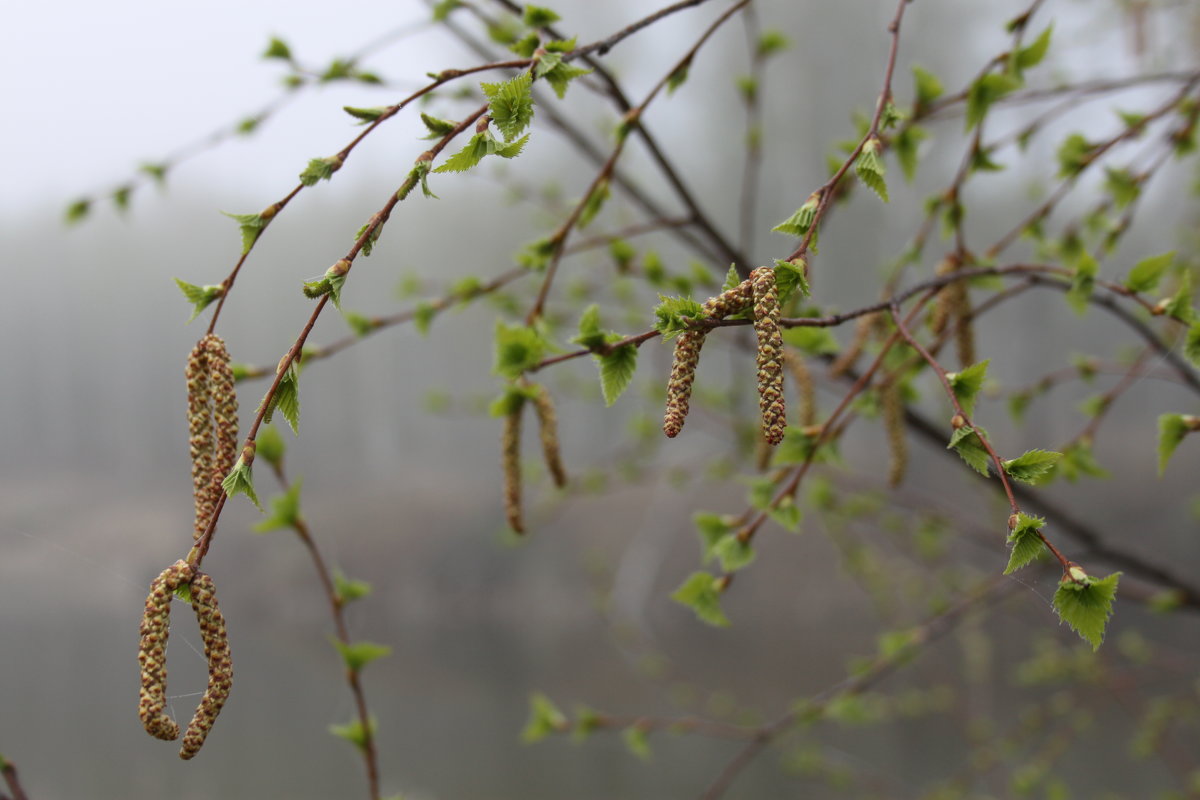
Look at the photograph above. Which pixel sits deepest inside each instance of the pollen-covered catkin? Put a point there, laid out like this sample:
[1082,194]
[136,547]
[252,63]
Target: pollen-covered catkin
[225,415]
[892,400]
[510,454]
[152,651]
[548,429]
[200,430]
[220,664]
[687,355]
[770,354]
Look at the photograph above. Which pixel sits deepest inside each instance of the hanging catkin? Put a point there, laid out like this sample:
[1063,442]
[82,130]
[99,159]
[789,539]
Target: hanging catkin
[152,651]
[510,455]
[220,664]
[805,386]
[212,424]
[543,404]
[770,354]
[892,401]
[687,355]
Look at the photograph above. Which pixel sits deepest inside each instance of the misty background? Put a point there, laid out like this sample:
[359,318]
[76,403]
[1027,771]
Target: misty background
[95,490]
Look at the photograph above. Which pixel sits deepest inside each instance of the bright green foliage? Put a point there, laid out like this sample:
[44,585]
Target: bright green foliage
[544,719]
[891,116]
[285,511]
[361,324]
[561,45]
[1025,541]
[790,278]
[518,348]
[367,114]
[593,204]
[269,445]
[814,340]
[798,223]
[966,442]
[536,255]
[1078,460]
[557,72]
[511,400]
[199,296]
[771,42]
[678,77]
[616,371]
[251,226]
[510,105]
[981,160]
[423,315]
[786,514]
[927,86]
[637,741]
[672,313]
[1122,186]
[700,593]
[711,528]
[539,17]
[1085,603]
[905,145]
[1171,430]
[590,335]
[870,170]
[240,480]
[277,48]
[354,733]
[587,720]
[286,399]
[349,589]
[985,91]
[418,174]
[733,553]
[527,45]
[967,384]
[1074,154]
[1180,304]
[437,127]
[747,87]
[1146,274]
[358,654]
[1033,467]
[479,146]
[1191,343]
[1032,55]
[320,169]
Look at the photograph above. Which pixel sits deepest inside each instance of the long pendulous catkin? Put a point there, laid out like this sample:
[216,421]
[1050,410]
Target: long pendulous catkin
[892,400]
[770,354]
[806,387]
[220,664]
[510,456]
[687,355]
[152,651]
[548,429]
[212,424]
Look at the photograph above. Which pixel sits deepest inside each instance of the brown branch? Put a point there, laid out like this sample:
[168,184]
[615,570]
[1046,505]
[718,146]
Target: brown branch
[10,777]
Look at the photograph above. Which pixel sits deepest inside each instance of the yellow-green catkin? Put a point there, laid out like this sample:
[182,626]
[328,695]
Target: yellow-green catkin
[543,404]
[212,424]
[687,355]
[862,335]
[220,664]
[770,354]
[510,456]
[152,651]
[806,387]
[892,401]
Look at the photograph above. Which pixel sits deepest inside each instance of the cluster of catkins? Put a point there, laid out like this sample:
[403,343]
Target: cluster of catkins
[758,294]
[152,655]
[213,431]
[510,447]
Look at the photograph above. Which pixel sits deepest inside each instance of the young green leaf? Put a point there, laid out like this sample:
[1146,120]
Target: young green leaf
[590,335]
[366,115]
[286,399]
[799,222]
[240,480]
[927,86]
[678,77]
[1026,543]
[251,225]
[558,73]
[986,91]
[1122,186]
[320,169]
[544,719]
[1033,467]
[637,741]
[733,553]
[1074,154]
[518,348]
[966,442]
[790,277]
[1146,274]
[595,202]
[1086,604]
[361,324]
[539,17]
[510,105]
[967,384]
[1191,343]
[199,296]
[536,255]
[1032,55]
[1179,305]
[869,168]
[1171,430]
[671,313]
[700,593]
[348,590]
[479,146]
[270,445]
[905,145]
[616,371]
[285,511]
[711,529]
[357,655]
[354,733]
[771,42]
[1078,460]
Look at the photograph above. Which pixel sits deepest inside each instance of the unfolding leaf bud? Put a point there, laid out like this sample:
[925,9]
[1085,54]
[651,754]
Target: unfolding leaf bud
[1077,573]
[339,268]
[957,421]
[1013,521]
